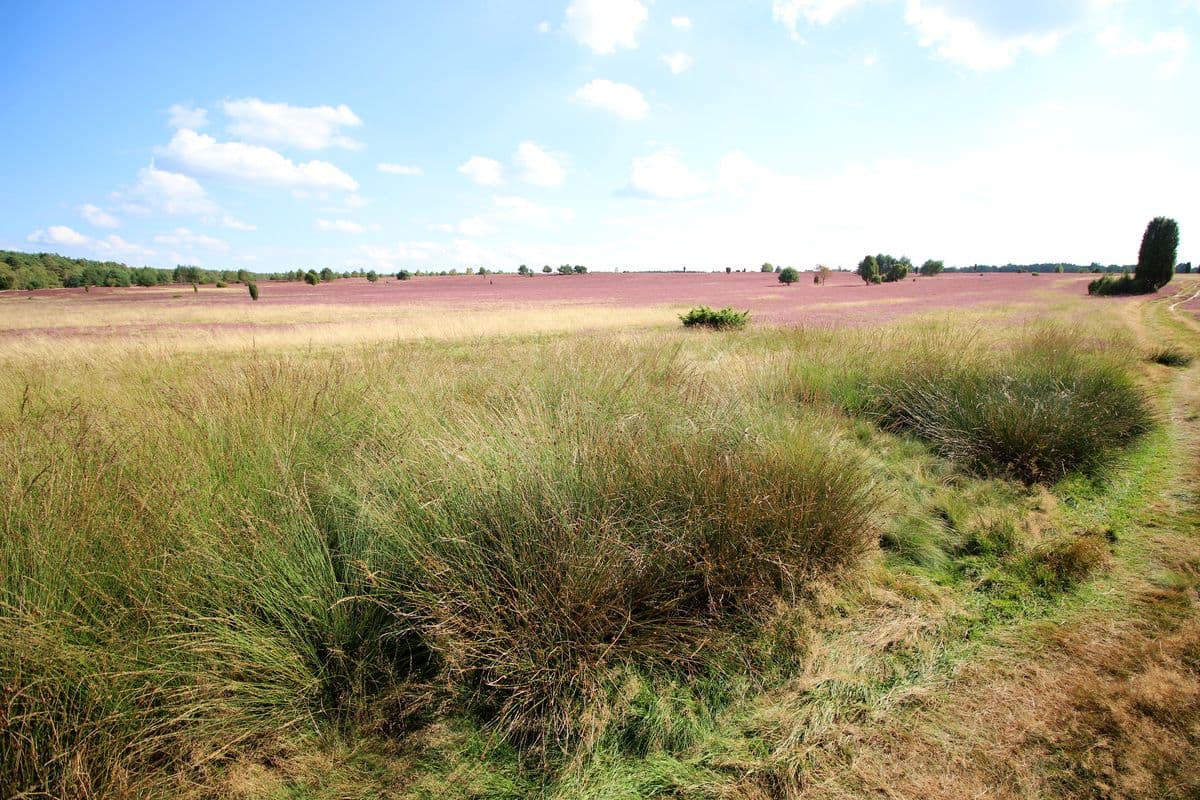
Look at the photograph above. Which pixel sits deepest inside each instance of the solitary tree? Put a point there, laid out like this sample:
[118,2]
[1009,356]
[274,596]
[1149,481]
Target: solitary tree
[253,287]
[823,273]
[312,278]
[547,269]
[372,276]
[767,267]
[1156,258]
[932,267]
[788,275]
[868,270]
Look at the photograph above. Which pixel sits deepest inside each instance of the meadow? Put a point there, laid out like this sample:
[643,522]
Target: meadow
[506,537]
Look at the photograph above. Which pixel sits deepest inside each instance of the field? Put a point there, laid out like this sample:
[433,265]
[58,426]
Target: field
[505,537]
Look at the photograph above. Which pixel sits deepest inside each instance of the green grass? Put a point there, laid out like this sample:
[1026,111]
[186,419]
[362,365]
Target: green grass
[577,563]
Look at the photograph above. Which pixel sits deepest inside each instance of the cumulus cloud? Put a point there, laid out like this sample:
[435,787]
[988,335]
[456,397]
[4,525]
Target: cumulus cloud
[305,127]
[539,167]
[98,216]
[184,237]
[543,27]
[815,12]
[683,23]
[963,40]
[664,175]
[484,171]
[57,234]
[186,116]
[510,208]
[344,226]
[1171,44]
[399,169]
[238,162]
[605,25]
[619,98]
[111,246]
[677,62]
[167,192]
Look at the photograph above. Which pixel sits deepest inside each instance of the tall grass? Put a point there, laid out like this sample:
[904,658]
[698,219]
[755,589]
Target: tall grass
[206,557]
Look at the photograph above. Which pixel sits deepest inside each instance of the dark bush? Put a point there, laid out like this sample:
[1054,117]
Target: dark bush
[725,318]
[1171,357]
[403,275]
[788,275]
[253,288]
[1156,256]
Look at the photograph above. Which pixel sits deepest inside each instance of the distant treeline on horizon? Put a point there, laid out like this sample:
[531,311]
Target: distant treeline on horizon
[20,270]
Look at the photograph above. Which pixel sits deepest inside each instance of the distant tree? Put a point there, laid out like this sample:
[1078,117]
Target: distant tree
[1059,268]
[931,267]
[522,270]
[788,276]
[823,273]
[327,274]
[728,270]
[868,270]
[312,278]
[242,276]
[372,276]
[403,275]
[767,267]
[565,269]
[253,287]
[482,271]
[1156,258]
[579,269]
[1184,268]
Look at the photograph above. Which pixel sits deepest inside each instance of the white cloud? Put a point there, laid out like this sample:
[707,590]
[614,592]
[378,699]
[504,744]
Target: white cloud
[539,167]
[963,40]
[543,27]
[58,234]
[238,162]
[677,62]
[663,175]
[619,98]
[344,226]
[475,226]
[235,224]
[399,169]
[306,127]
[167,192]
[605,25]
[870,60]
[187,116]
[683,23]
[110,247]
[98,216]
[520,210]
[815,12]
[183,237]
[1173,44]
[484,171]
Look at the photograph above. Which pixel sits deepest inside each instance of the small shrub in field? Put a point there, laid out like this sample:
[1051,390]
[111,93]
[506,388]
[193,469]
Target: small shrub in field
[1171,357]
[1108,285]
[788,276]
[372,276]
[403,275]
[312,278]
[222,285]
[1033,414]
[253,287]
[721,319]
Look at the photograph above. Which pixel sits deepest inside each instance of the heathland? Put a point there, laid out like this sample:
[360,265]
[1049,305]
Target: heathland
[501,536]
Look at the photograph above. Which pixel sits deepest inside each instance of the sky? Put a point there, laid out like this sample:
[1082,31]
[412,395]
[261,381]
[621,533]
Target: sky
[619,134]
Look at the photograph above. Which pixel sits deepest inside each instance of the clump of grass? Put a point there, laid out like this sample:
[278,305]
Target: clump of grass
[1171,357]
[542,566]
[720,319]
[1034,413]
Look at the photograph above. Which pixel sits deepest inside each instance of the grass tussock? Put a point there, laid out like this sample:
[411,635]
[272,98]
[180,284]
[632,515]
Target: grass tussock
[1034,413]
[1171,357]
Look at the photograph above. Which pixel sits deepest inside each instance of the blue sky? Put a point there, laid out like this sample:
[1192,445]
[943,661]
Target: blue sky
[614,133]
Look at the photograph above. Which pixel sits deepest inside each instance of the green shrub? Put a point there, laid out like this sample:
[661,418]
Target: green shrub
[788,275]
[253,287]
[403,275]
[722,319]
[221,285]
[312,278]
[1108,285]
[1156,256]
[1034,413]
[372,276]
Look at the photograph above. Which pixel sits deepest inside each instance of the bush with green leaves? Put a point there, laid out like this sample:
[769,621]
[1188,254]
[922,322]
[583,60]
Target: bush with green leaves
[788,276]
[931,268]
[312,278]
[253,288]
[372,276]
[403,275]
[720,319]
[868,270]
